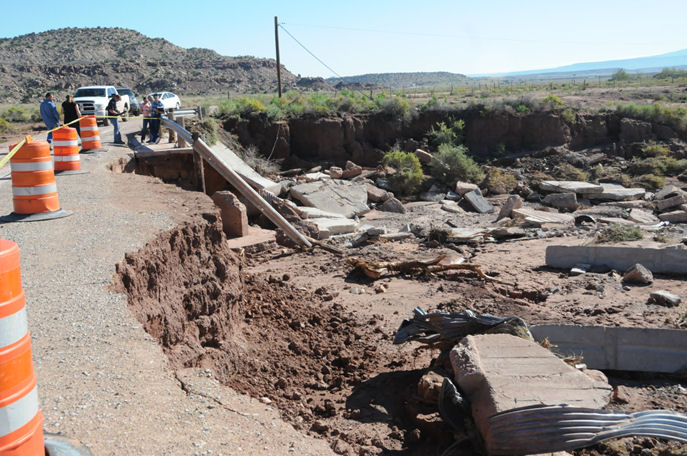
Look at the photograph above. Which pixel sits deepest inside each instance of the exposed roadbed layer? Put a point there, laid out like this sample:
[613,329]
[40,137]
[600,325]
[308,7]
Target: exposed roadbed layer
[102,379]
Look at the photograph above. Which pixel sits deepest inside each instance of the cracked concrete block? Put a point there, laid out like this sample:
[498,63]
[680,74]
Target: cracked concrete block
[233,212]
[501,372]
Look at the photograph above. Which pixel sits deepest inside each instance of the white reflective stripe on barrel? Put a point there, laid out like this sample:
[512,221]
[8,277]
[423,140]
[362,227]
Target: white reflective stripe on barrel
[13,328]
[31,166]
[18,414]
[88,128]
[66,158]
[71,142]
[90,138]
[32,191]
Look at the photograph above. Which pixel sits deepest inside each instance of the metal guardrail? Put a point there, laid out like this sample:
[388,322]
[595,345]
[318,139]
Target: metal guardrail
[189,112]
[547,429]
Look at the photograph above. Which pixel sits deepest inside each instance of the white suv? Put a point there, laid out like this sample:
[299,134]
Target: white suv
[168,99]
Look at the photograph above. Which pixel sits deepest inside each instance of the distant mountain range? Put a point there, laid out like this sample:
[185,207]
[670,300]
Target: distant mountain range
[675,59]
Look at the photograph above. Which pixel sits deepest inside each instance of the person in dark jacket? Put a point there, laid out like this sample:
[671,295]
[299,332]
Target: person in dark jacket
[49,114]
[70,111]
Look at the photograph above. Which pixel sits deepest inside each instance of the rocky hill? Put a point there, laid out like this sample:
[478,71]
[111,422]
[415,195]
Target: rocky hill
[62,60]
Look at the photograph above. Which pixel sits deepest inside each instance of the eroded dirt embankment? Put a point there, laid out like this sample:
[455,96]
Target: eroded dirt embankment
[265,337]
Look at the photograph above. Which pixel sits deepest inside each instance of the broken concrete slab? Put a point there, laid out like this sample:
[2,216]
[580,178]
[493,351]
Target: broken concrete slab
[459,235]
[351,170]
[567,201]
[616,192]
[667,191]
[392,205]
[513,202]
[509,232]
[583,188]
[536,217]
[338,196]
[424,157]
[452,207]
[231,160]
[638,275]
[501,372]
[619,348]
[335,225]
[233,213]
[477,201]
[631,204]
[313,212]
[642,216]
[463,187]
[673,201]
[657,260]
[664,298]
[674,217]
[376,194]
[317,176]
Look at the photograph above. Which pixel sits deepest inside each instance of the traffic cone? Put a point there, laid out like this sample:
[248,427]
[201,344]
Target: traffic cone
[65,143]
[33,184]
[90,135]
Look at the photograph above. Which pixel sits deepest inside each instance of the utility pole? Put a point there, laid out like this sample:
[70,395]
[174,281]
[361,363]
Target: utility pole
[276,42]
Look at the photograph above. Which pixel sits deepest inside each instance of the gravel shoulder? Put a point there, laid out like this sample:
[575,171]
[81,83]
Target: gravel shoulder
[102,379]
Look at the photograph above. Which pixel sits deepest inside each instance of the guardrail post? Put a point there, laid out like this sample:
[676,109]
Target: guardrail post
[180,141]
[199,166]
[172,135]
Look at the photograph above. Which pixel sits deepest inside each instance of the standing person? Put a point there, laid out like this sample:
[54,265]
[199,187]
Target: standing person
[49,114]
[70,111]
[145,112]
[156,111]
[113,111]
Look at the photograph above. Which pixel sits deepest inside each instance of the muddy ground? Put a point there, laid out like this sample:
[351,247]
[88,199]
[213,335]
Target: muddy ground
[303,331]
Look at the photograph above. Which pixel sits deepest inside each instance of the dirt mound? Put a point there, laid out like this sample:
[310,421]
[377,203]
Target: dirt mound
[324,368]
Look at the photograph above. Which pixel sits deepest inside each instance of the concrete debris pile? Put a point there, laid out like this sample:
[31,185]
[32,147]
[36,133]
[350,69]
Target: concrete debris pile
[555,405]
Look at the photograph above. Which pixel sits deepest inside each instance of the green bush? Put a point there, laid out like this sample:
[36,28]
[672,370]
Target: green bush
[673,116]
[620,75]
[654,150]
[659,166]
[651,181]
[5,127]
[452,163]
[408,175]
[451,133]
[552,101]
[15,114]
[615,232]
[566,171]
[498,181]
[395,107]
[246,106]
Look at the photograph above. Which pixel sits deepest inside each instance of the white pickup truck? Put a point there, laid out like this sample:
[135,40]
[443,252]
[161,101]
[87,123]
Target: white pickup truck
[93,100]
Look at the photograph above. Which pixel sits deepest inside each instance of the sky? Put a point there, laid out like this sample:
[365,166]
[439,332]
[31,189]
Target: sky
[377,36]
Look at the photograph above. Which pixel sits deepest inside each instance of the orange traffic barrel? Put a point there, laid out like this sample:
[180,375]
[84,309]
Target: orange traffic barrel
[65,143]
[33,183]
[90,135]
[21,421]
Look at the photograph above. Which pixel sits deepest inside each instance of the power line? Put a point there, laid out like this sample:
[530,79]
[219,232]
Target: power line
[309,52]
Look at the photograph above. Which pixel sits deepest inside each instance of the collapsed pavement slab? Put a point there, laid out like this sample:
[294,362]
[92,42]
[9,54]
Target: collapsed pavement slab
[251,176]
[333,195]
[619,348]
[501,372]
[616,192]
[478,202]
[335,225]
[583,188]
[679,216]
[642,216]
[657,260]
[539,217]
